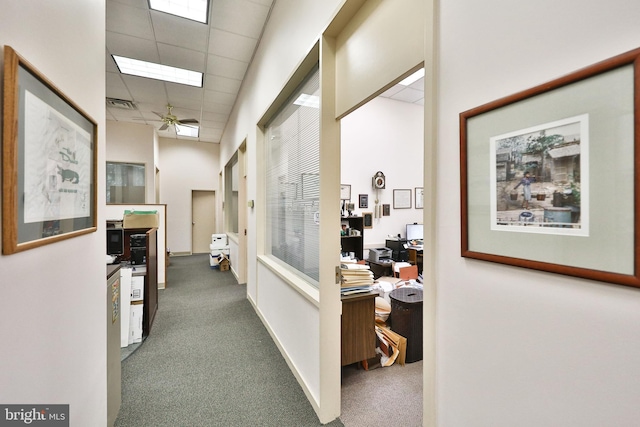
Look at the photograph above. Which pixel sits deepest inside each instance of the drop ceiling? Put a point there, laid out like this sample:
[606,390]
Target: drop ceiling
[221,49]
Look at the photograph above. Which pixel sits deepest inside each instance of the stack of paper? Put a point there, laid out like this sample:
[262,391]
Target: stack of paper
[355,278]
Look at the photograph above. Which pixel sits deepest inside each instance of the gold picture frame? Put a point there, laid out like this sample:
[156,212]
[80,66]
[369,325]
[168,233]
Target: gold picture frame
[49,169]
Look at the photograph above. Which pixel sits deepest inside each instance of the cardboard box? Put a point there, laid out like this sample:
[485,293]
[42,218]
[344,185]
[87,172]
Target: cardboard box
[219,241]
[214,257]
[224,263]
[137,288]
[140,219]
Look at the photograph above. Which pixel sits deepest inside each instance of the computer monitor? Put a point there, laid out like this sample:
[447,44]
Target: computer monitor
[115,241]
[414,232]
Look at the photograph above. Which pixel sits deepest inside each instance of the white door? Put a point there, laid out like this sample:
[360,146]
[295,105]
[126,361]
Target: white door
[203,209]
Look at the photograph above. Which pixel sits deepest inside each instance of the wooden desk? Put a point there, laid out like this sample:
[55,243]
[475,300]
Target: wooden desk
[415,257]
[380,269]
[358,328]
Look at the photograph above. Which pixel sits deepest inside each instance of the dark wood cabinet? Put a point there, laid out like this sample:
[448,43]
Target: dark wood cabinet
[358,328]
[353,243]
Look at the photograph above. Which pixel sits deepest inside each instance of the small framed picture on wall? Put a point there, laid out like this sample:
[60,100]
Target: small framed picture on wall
[364,201]
[367,219]
[386,209]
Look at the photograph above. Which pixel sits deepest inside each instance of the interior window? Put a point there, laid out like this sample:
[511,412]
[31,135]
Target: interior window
[125,183]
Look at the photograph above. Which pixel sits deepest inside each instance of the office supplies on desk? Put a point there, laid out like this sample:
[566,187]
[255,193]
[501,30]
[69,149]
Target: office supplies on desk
[379,254]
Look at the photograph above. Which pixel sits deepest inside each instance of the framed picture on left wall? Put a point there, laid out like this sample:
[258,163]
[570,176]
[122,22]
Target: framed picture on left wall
[49,161]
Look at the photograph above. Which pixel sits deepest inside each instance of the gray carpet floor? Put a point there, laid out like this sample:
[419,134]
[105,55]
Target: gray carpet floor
[383,396]
[209,361]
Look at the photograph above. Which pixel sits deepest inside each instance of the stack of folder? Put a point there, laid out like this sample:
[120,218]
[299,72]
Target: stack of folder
[355,278]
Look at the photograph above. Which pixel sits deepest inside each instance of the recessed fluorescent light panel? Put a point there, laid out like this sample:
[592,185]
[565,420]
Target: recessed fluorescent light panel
[195,10]
[413,78]
[305,100]
[187,131]
[139,68]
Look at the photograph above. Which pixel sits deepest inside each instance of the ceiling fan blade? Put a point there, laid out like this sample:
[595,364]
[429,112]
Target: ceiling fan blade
[187,121]
[158,114]
[164,126]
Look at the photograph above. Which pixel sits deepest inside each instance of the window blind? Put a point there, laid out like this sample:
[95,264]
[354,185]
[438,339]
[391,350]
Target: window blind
[292,180]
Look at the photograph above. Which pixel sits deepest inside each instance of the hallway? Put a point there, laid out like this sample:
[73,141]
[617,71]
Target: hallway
[209,361]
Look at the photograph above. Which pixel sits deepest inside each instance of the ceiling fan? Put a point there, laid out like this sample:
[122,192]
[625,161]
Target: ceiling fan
[170,120]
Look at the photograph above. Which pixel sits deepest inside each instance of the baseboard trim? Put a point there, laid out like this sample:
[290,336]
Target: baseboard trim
[180,253]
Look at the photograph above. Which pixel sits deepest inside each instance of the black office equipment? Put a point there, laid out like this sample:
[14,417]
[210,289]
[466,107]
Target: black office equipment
[138,241]
[398,248]
[115,241]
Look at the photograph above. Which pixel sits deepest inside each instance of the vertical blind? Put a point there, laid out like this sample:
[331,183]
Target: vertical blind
[293,180]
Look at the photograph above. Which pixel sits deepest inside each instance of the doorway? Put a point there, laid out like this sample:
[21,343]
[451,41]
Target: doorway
[203,220]
[399,116]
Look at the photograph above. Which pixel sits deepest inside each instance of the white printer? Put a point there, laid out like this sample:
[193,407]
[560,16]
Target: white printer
[379,254]
[219,245]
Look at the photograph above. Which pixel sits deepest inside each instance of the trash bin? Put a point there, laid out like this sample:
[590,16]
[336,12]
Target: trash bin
[406,319]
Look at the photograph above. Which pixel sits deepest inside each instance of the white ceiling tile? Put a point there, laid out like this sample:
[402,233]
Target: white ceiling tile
[214,134]
[122,114]
[142,4]
[392,91]
[132,47]
[214,107]
[111,65]
[418,84]
[146,90]
[222,84]
[212,125]
[183,96]
[214,117]
[267,3]
[129,20]
[181,57]
[230,45]
[180,32]
[408,95]
[226,67]
[116,87]
[220,97]
[239,17]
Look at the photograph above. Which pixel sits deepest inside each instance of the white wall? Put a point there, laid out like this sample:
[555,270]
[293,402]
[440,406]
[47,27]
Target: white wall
[383,135]
[518,347]
[185,166]
[293,29]
[134,143]
[52,298]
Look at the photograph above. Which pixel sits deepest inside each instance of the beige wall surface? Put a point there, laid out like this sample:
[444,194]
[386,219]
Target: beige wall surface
[517,347]
[134,143]
[52,298]
[185,166]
